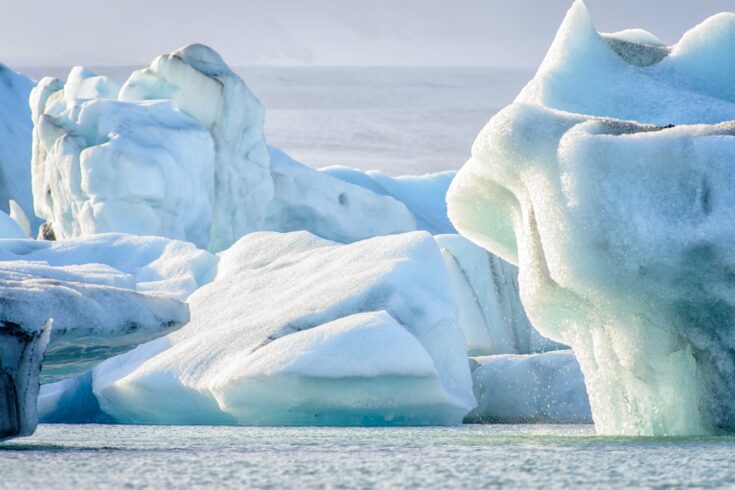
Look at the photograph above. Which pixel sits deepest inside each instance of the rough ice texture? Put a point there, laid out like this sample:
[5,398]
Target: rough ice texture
[21,354]
[621,230]
[296,330]
[15,149]
[423,195]
[306,199]
[537,388]
[490,311]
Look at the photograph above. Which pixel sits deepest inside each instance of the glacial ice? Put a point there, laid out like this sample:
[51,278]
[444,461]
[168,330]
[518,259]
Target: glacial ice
[15,149]
[61,307]
[423,195]
[295,330]
[621,228]
[490,311]
[178,151]
[9,228]
[306,199]
[543,388]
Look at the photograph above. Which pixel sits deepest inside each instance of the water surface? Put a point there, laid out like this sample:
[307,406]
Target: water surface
[471,456]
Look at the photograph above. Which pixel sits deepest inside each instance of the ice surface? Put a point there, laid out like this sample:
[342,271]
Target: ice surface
[9,228]
[294,330]
[102,165]
[15,149]
[95,316]
[423,195]
[536,388]
[306,199]
[490,310]
[621,230]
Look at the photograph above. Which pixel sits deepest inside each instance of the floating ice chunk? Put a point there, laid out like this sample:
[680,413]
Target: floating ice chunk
[306,199]
[299,330]
[423,195]
[15,146]
[537,388]
[621,230]
[204,87]
[490,310]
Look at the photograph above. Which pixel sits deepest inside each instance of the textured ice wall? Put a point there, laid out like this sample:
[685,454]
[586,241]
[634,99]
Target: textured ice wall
[102,165]
[622,231]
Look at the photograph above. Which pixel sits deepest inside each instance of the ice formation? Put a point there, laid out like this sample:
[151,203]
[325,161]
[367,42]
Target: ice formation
[9,228]
[536,388]
[104,165]
[621,228]
[490,311]
[295,330]
[306,199]
[61,306]
[423,195]
[15,149]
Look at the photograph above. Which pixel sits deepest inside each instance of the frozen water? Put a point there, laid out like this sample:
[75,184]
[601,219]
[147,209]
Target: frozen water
[490,311]
[295,329]
[15,148]
[534,388]
[621,230]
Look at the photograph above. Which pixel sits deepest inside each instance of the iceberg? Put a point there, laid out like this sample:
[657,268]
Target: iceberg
[178,151]
[295,330]
[9,228]
[59,321]
[15,148]
[608,182]
[545,388]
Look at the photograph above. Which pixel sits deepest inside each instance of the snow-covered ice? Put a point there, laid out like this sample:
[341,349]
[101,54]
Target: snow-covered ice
[536,388]
[621,229]
[295,329]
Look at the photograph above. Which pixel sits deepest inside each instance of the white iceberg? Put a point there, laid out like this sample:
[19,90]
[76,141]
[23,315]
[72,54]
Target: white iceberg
[295,329]
[621,230]
[543,388]
[15,144]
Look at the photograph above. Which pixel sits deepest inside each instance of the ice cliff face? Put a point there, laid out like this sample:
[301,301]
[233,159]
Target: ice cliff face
[621,228]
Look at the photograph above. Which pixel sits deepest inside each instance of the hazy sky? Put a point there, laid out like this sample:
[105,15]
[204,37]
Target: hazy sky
[319,32]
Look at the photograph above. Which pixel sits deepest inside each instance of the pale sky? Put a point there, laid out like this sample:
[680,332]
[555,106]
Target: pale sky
[319,32]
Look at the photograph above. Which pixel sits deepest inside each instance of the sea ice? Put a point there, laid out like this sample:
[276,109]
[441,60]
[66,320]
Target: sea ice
[295,330]
[622,229]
